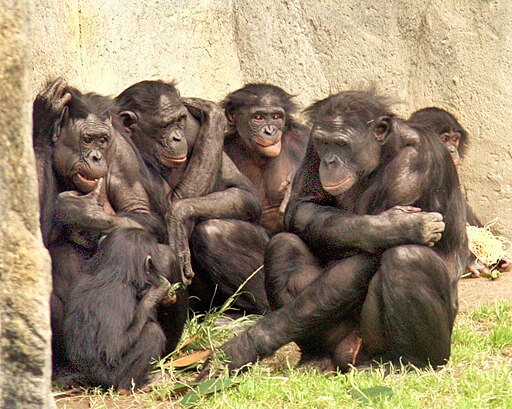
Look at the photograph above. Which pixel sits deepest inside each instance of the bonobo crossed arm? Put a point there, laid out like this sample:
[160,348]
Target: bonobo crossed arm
[202,192]
[315,216]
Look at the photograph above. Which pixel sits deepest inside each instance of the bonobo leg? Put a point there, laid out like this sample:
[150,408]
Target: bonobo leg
[290,267]
[225,253]
[67,265]
[409,312]
[332,297]
[136,362]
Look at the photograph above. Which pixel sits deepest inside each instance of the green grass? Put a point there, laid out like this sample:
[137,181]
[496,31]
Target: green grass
[479,375]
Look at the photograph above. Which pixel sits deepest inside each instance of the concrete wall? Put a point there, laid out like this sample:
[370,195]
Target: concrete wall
[456,54]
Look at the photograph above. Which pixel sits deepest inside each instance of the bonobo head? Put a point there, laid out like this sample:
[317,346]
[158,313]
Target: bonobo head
[260,114]
[353,133]
[148,260]
[443,124]
[159,124]
[83,137]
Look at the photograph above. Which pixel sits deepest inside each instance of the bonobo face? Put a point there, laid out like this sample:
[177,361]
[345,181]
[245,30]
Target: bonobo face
[451,140]
[349,147]
[261,127]
[80,153]
[167,131]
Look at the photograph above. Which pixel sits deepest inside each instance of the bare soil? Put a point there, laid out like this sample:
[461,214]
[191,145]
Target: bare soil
[473,291]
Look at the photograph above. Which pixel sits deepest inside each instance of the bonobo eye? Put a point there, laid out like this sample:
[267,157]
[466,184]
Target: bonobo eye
[103,141]
[87,140]
[165,126]
[382,128]
[277,117]
[181,120]
[257,117]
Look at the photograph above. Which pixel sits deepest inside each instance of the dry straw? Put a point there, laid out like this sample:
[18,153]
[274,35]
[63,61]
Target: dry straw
[488,248]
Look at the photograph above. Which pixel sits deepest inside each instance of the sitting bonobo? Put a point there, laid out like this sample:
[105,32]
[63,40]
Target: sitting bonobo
[207,203]
[364,275]
[266,143]
[90,183]
[111,321]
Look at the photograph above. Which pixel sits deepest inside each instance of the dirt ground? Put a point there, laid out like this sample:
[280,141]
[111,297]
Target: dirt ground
[474,291]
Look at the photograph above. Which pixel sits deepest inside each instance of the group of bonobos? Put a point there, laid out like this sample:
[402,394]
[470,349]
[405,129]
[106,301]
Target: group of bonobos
[149,189]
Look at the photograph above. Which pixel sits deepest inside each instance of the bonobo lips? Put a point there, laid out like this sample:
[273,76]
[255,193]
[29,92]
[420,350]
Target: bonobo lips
[341,187]
[83,184]
[270,149]
[171,161]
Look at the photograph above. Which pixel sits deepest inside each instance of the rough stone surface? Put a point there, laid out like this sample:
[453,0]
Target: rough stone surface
[24,263]
[456,54]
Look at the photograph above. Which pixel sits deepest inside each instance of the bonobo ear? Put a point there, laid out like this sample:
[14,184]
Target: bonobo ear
[129,119]
[382,128]
[230,115]
[60,123]
[148,264]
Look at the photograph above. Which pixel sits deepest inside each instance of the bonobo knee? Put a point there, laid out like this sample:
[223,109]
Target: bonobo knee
[410,260]
[287,244]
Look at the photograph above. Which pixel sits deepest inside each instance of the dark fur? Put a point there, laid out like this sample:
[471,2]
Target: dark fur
[103,309]
[357,265]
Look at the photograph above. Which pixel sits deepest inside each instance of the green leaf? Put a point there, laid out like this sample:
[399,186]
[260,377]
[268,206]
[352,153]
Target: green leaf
[205,388]
[366,395]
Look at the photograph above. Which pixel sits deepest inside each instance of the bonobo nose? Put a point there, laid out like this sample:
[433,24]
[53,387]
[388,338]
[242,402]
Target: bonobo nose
[269,130]
[330,158]
[95,156]
[177,136]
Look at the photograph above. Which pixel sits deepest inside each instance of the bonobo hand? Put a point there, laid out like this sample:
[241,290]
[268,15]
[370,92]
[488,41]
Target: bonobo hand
[49,103]
[83,210]
[179,227]
[156,294]
[206,112]
[477,270]
[415,226]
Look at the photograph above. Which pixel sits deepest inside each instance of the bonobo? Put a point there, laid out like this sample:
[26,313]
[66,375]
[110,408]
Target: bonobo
[444,125]
[111,328]
[208,204]
[265,142]
[364,275]
[89,184]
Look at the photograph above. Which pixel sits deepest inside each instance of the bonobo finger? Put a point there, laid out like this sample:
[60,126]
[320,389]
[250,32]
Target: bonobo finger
[435,217]
[408,209]
[504,266]
[95,193]
[68,194]
[196,107]
[437,227]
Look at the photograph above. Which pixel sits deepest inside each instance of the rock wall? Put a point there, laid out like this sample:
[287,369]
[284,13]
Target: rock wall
[455,54]
[24,263]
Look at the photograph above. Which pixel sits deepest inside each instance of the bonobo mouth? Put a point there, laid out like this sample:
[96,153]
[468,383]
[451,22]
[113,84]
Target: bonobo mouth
[83,184]
[341,187]
[172,161]
[270,149]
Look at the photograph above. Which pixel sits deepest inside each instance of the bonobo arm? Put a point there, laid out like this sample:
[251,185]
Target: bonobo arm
[234,198]
[124,191]
[204,166]
[127,336]
[47,108]
[313,215]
